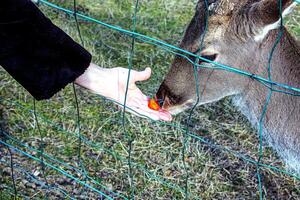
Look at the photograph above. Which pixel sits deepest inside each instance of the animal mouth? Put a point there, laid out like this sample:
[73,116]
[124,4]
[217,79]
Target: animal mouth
[175,109]
[171,102]
[164,103]
[167,104]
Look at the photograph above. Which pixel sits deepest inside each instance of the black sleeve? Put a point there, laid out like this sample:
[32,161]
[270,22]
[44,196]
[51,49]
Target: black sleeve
[39,55]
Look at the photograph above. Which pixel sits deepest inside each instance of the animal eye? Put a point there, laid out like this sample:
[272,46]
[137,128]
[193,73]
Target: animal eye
[211,57]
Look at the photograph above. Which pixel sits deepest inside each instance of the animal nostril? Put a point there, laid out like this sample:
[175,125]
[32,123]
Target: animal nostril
[165,97]
[160,101]
[161,94]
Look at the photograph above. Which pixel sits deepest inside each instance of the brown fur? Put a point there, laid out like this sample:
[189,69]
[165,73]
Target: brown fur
[231,32]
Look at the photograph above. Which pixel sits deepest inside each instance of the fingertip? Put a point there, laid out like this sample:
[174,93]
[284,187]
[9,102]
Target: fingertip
[148,72]
[165,116]
[143,75]
[148,69]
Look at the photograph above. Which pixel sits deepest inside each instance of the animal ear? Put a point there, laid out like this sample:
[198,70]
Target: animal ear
[196,28]
[268,11]
[266,15]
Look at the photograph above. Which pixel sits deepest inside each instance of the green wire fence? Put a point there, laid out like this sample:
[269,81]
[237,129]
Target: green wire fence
[78,172]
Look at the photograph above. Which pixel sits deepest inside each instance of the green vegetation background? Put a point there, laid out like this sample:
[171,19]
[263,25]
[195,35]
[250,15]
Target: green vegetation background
[214,174]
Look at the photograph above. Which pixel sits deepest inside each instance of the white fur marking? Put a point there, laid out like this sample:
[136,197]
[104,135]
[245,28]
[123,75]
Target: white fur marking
[211,6]
[266,30]
[178,109]
[275,25]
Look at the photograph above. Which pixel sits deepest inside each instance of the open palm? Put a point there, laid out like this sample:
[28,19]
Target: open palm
[136,100]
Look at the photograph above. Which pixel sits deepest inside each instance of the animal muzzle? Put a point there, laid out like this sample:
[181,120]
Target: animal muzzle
[162,97]
[175,104]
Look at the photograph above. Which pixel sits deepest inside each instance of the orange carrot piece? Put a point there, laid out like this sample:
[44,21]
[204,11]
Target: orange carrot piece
[153,104]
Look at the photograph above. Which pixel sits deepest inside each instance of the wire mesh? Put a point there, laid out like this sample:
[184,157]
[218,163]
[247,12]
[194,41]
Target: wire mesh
[48,162]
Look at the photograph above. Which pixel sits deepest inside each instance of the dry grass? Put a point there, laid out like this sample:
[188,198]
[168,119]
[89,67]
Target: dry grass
[158,172]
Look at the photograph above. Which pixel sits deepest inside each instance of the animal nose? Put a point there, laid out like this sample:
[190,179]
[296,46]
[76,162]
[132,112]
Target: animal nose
[159,100]
[162,97]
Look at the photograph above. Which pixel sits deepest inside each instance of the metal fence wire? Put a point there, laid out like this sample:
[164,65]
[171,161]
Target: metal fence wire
[78,173]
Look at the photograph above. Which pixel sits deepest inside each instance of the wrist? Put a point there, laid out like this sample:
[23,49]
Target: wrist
[97,80]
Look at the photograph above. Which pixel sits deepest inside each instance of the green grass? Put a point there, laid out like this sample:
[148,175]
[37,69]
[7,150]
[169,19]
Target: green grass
[214,173]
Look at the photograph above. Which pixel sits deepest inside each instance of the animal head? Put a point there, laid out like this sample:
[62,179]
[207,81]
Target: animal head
[232,32]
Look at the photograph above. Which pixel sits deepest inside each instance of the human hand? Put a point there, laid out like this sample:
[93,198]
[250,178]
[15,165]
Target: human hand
[112,83]
[136,100]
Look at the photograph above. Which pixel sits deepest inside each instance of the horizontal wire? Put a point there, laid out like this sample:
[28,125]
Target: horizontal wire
[98,146]
[34,178]
[60,162]
[161,43]
[178,127]
[183,53]
[55,168]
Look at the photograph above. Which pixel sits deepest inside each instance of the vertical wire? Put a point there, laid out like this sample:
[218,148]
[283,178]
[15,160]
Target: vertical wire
[11,158]
[185,134]
[129,136]
[78,122]
[268,99]
[75,94]
[41,147]
[77,24]
[12,173]
[159,43]
[11,165]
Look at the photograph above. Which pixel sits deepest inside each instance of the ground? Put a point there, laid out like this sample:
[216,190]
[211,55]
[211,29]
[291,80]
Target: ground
[220,142]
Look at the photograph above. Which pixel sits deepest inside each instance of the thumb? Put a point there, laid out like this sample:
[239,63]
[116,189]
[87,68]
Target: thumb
[143,75]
